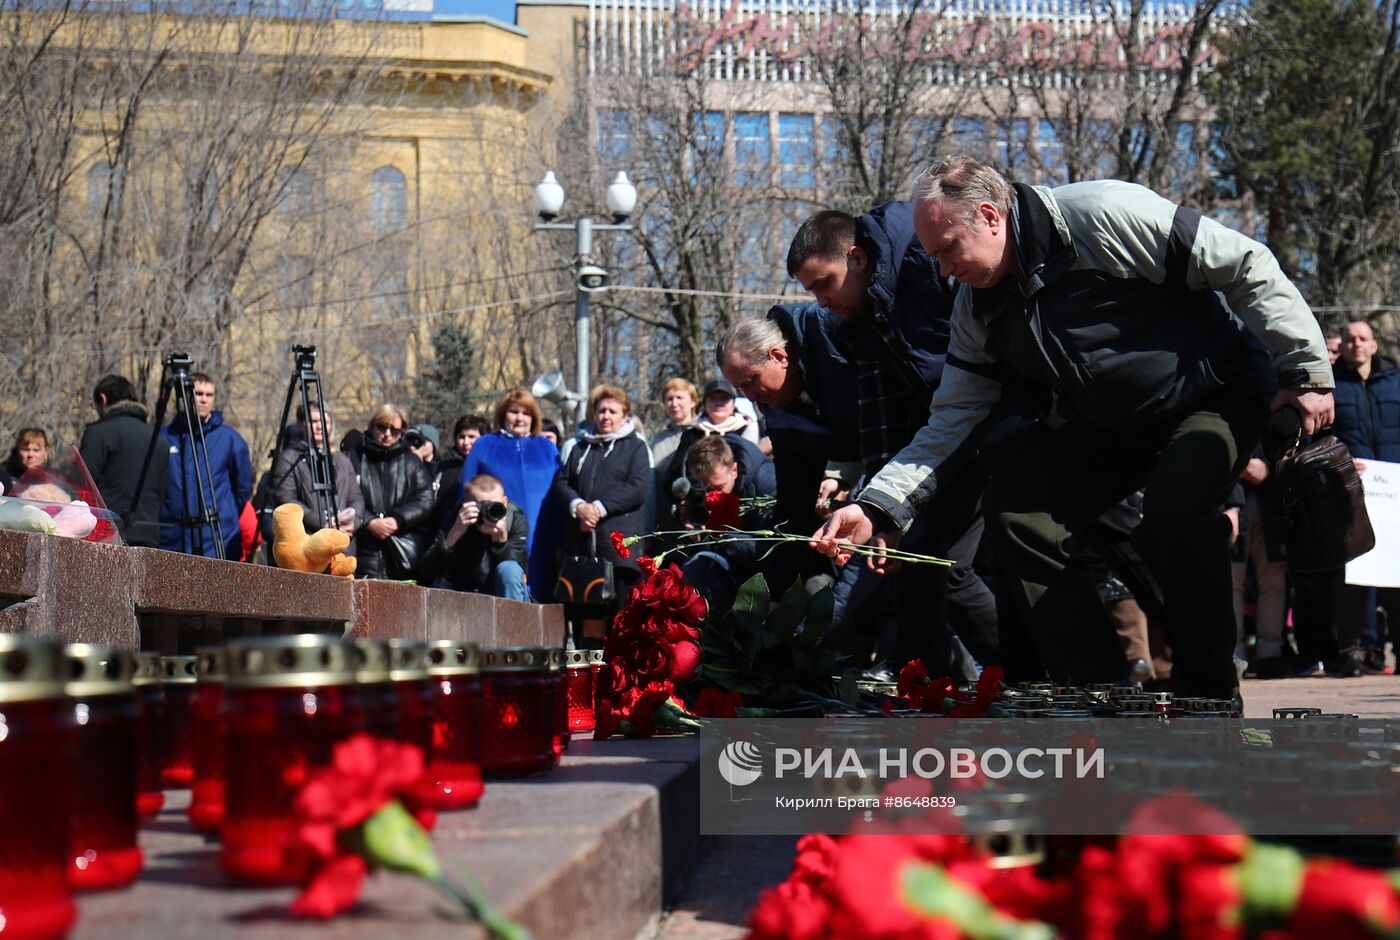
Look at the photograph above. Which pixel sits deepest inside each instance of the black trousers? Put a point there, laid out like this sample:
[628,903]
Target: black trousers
[1065,480]
[933,604]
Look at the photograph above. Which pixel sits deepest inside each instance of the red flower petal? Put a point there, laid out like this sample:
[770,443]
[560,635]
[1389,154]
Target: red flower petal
[333,889]
[617,542]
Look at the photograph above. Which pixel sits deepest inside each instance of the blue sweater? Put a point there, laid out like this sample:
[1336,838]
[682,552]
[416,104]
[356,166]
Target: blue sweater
[524,465]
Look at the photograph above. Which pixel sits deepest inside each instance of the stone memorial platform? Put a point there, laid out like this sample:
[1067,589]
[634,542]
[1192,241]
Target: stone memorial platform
[592,849]
[171,603]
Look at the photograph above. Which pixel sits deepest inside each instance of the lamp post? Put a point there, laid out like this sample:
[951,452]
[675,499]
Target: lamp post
[589,278]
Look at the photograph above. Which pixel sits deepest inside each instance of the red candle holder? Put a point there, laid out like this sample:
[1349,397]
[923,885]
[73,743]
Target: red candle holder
[517,710]
[287,702]
[408,672]
[559,702]
[102,848]
[150,701]
[581,680]
[207,735]
[454,762]
[370,658]
[177,674]
[37,752]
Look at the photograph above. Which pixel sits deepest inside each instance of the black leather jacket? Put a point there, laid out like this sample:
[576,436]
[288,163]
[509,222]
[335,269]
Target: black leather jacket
[394,483]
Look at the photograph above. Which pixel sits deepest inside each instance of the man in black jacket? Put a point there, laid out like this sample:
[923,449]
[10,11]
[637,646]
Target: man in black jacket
[482,548]
[872,273]
[114,448]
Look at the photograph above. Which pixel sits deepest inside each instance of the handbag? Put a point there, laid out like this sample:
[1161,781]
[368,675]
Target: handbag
[585,579]
[1321,516]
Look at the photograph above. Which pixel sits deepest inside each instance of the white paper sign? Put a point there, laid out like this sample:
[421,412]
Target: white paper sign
[1381,565]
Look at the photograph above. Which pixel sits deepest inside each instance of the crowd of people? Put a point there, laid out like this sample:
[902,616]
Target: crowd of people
[1061,390]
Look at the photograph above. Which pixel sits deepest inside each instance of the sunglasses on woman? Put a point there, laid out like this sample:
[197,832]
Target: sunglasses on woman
[387,428]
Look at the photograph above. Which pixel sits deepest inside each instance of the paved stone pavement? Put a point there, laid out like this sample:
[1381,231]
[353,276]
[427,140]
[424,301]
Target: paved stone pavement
[728,877]
[731,873]
[1368,696]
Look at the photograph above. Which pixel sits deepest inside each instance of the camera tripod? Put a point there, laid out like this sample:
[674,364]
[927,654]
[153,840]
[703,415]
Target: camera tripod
[175,379]
[306,380]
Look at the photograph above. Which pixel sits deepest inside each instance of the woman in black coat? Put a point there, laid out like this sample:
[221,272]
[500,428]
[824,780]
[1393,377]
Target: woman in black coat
[398,495]
[602,488]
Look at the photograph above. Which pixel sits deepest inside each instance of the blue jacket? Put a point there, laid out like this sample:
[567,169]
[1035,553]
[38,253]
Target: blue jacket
[1368,412]
[180,527]
[525,466]
[824,421]
[912,302]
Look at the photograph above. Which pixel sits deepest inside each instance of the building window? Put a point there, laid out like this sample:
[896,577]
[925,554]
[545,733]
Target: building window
[753,156]
[613,134]
[1013,146]
[1051,151]
[294,195]
[102,180]
[797,150]
[388,199]
[970,136]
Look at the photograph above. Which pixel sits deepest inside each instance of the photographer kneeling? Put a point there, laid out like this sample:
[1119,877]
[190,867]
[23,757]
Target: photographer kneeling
[717,570]
[481,548]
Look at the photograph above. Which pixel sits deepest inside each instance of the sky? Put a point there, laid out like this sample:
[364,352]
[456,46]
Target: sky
[503,10]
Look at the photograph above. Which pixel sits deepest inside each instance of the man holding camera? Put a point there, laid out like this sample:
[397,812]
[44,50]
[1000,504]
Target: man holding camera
[482,549]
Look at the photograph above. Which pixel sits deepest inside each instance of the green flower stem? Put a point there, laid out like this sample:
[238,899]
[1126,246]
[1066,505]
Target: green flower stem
[470,898]
[730,536]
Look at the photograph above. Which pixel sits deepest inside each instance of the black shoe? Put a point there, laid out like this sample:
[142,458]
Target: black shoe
[1273,667]
[1345,665]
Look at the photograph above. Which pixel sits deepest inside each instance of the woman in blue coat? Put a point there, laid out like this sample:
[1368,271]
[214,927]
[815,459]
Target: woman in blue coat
[525,463]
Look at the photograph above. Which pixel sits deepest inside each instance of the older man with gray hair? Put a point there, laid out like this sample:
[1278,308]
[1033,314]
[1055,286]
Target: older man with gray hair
[1133,312]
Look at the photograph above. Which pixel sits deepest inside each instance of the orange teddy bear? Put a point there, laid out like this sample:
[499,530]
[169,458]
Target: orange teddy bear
[320,552]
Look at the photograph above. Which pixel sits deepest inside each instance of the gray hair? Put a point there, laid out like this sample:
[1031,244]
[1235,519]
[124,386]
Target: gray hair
[750,339]
[965,184]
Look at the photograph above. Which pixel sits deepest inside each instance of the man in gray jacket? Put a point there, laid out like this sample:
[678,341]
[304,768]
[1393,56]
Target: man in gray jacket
[1128,308]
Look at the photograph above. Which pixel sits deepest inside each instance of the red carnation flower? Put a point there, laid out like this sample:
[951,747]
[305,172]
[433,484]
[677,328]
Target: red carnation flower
[618,545]
[723,510]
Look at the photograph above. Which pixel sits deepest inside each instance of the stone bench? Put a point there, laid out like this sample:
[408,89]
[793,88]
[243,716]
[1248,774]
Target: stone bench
[151,599]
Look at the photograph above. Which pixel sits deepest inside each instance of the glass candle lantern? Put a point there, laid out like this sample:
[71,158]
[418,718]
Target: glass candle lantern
[517,716]
[37,748]
[581,681]
[559,701]
[102,848]
[207,738]
[408,673]
[371,662]
[150,701]
[177,675]
[288,701]
[454,762]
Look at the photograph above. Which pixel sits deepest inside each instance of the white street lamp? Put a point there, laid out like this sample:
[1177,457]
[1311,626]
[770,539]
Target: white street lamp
[622,197]
[589,278]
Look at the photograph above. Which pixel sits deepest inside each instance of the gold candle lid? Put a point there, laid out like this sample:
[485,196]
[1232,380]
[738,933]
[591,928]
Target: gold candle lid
[453,658]
[408,660]
[370,658]
[578,659]
[97,669]
[306,659]
[178,670]
[515,659]
[209,663]
[558,658]
[31,668]
[148,670]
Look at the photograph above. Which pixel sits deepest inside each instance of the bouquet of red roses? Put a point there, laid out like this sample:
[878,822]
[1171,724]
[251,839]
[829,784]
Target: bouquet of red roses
[652,649]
